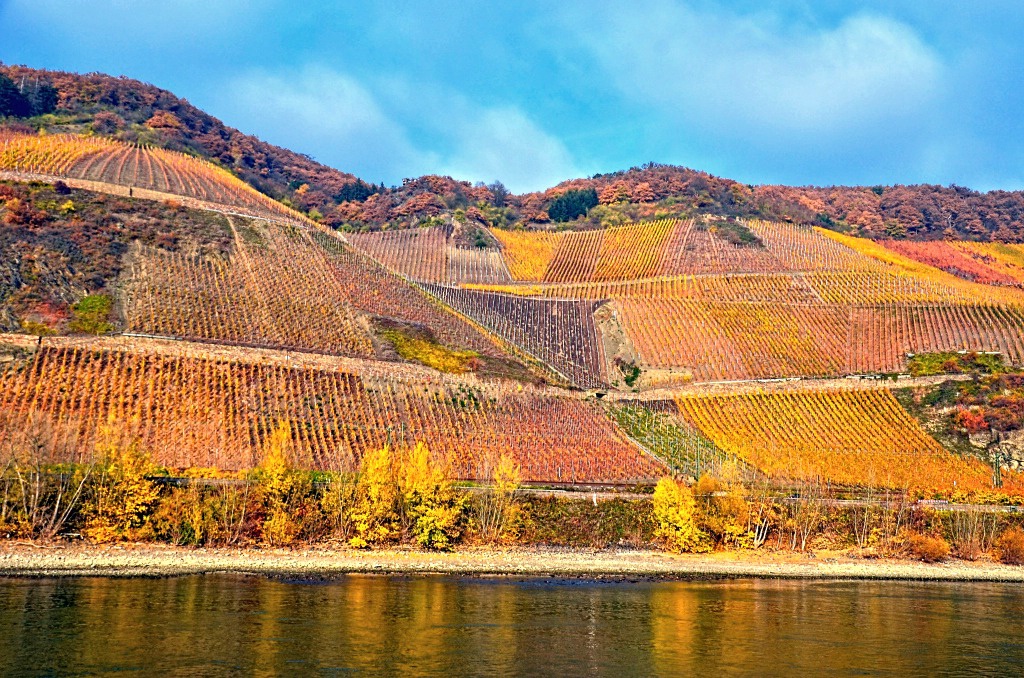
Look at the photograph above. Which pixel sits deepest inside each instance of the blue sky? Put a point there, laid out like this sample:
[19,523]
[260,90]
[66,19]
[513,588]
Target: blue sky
[533,92]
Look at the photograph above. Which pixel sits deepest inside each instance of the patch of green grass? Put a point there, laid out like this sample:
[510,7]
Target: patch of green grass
[671,438]
[432,354]
[950,362]
[92,315]
[630,373]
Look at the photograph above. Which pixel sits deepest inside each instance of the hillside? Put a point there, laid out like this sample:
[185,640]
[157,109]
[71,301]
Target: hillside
[767,349]
[135,112]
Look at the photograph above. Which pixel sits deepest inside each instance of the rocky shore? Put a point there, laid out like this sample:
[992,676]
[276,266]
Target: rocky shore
[22,559]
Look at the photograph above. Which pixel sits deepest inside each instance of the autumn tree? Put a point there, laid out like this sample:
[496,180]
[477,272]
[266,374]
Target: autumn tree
[676,514]
[615,192]
[642,192]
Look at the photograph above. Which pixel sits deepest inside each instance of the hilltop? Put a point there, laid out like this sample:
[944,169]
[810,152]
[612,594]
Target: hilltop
[136,112]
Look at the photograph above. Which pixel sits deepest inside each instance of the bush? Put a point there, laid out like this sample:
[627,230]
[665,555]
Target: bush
[496,504]
[1010,546]
[197,515]
[287,500]
[39,495]
[433,510]
[124,496]
[675,513]
[722,515]
[928,549]
[375,512]
[572,204]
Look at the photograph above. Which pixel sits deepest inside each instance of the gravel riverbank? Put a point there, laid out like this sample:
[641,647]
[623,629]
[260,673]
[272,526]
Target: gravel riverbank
[63,560]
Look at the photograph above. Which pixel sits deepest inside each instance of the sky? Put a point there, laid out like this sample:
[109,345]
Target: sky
[534,92]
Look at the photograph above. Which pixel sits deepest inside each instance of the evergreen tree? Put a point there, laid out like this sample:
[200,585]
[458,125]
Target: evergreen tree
[572,204]
[12,101]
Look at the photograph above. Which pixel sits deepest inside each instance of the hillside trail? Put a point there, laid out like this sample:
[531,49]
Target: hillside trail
[155,196]
[166,345]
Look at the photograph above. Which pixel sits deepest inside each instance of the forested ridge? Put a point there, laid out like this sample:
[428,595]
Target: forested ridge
[129,110]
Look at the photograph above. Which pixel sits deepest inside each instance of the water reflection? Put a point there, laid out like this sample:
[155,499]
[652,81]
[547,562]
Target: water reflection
[428,626]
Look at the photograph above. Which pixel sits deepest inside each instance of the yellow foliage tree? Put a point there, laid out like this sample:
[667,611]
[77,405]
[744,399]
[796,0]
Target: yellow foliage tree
[434,510]
[124,495]
[278,480]
[374,513]
[723,513]
[675,511]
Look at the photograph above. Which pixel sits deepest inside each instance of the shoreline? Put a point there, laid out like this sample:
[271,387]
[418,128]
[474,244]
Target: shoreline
[24,559]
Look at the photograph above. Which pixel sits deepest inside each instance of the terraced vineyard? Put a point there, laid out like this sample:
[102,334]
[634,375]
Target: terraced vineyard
[276,290]
[219,413]
[658,426]
[105,161]
[724,341]
[527,253]
[374,290]
[854,438]
[987,263]
[419,253]
[560,333]
[676,301]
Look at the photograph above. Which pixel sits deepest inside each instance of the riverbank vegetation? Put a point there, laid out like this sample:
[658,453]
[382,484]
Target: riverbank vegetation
[409,496]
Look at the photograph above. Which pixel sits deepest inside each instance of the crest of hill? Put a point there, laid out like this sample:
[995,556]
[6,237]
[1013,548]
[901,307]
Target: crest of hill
[137,112]
[129,110]
[916,212]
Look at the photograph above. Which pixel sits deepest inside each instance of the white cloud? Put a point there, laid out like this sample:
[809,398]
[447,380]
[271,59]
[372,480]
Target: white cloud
[751,75]
[388,130]
[324,113]
[503,143]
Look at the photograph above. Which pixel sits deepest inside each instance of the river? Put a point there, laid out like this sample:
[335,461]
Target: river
[239,625]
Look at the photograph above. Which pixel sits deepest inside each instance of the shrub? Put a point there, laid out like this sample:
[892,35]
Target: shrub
[38,495]
[124,496]
[494,505]
[722,515]
[675,513]
[434,510]
[928,549]
[1010,546]
[286,491]
[181,517]
[375,512]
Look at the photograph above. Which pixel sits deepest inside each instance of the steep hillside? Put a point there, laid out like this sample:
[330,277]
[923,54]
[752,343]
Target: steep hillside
[673,301]
[59,244]
[194,407]
[924,212]
[83,262]
[133,111]
[716,340]
[136,112]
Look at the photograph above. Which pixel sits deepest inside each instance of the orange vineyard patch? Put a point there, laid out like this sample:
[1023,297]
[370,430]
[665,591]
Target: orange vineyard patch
[857,438]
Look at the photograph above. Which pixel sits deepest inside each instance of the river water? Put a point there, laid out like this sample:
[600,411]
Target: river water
[237,625]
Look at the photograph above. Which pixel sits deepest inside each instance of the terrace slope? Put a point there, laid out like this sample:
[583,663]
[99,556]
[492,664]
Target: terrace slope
[194,405]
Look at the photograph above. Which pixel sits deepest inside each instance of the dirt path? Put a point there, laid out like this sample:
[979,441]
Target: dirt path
[149,560]
[282,215]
